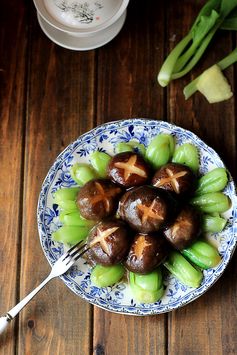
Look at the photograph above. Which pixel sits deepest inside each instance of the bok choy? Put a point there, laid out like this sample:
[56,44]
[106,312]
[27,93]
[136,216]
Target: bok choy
[189,50]
[194,86]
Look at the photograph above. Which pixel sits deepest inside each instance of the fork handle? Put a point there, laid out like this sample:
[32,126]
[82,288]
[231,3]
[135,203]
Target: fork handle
[6,319]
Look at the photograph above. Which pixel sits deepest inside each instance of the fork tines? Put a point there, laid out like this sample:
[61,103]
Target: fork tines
[76,251]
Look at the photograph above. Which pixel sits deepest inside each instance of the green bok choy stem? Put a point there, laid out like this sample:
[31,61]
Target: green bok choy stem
[104,276]
[147,288]
[202,254]
[213,224]
[190,49]
[230,59]
[183,270]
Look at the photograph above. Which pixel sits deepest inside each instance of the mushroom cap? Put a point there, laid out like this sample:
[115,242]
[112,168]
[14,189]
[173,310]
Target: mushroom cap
[109,242]
[176,178]
[146,253]
[185,228]
[98,199]
[144,208]
[128,169]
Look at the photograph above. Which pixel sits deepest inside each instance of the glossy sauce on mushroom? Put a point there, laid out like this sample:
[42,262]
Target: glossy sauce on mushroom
[146,253]
[185,229]
[144,208]
[128,169]
[98,199]
[176,178]
[109,242]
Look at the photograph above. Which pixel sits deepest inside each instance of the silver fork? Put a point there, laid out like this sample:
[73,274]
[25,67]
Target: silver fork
[59,268]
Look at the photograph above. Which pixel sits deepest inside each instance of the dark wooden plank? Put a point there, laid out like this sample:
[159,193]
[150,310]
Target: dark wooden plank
[123,334]
[13,46]
[207,326]
[196,114]
[60,108]
[127,69]
[127,66]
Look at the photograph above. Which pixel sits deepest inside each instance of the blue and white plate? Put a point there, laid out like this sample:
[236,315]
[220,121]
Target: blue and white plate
[119,298]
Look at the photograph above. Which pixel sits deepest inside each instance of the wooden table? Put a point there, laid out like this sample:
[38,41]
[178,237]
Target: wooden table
[50,96]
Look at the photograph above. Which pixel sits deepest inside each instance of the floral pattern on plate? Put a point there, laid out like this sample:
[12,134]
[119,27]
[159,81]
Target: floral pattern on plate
[119,298]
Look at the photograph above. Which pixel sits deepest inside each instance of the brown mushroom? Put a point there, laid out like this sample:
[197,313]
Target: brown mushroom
[109,242]
[185,229]
[144,208]
[128,169]
[146,253]
[98,199]
[176,178]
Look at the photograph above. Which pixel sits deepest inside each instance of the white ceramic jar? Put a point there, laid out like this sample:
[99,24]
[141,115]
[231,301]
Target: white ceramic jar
[79,24]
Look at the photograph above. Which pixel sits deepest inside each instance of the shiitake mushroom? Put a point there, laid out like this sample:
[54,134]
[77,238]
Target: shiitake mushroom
[109,242]
[185,228]
[144,208]
[176,178]
[98,199]
[128,169]
[146,253]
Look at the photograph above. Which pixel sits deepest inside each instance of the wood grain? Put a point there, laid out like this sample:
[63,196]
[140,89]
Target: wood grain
[128,66]
[48,97]
[202,327]
[59,109]
[122,334]
[127,88]
[12,95]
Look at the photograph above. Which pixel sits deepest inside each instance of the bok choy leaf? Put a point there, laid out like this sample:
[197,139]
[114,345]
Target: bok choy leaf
[189,50]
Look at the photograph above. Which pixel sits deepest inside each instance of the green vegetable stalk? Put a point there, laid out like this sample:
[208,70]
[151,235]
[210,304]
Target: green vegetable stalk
[130,147]
[66,194]
[183,270]
[190,49]
[70,234]
[66,199]
[160,150]
[123,147]
[202,254]
[213,224]
[68,206]
[211,202]
[230,59]
[138,147]
[187,154]
[74,219]
[103,276]
[99,162]
[147,288]
[214,181]
[82,173]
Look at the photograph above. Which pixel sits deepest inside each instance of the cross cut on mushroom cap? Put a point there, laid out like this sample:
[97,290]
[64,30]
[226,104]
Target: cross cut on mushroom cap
[149,211]
[130,168]
[101,238]
[140,244]
[180,224]
[104,196]
[172,179]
